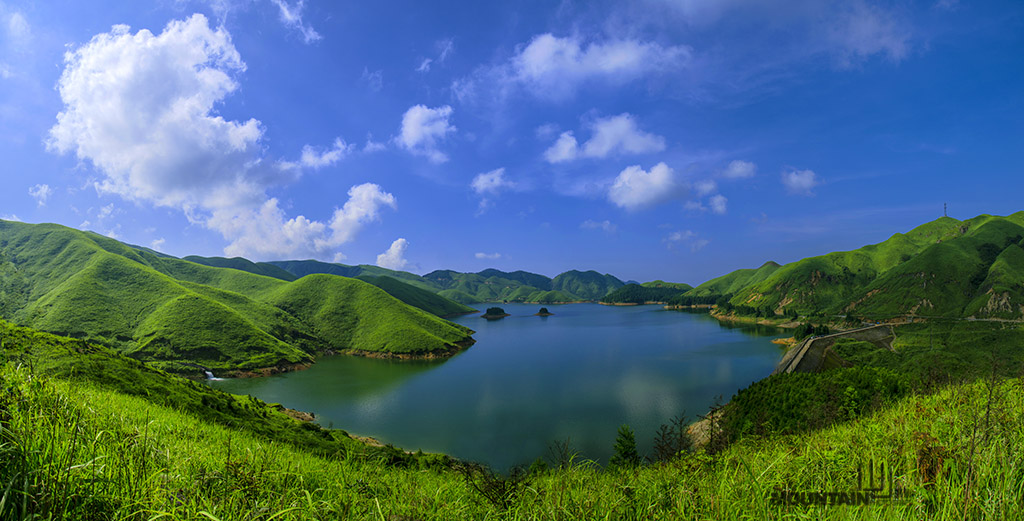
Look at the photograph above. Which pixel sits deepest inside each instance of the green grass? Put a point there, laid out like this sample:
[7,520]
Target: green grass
[168,310]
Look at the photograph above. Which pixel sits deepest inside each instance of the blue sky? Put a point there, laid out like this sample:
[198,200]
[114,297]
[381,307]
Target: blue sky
[671,139]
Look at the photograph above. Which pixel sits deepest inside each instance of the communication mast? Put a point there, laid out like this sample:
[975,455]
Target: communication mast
[944,210]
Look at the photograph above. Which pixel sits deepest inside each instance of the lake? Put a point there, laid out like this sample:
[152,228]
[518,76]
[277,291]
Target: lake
[530,380]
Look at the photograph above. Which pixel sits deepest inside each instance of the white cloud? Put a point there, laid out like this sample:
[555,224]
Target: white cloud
[564,149]
[488,256]
[619,134]
[800,182]
[687,237]
[142,109]
[605,225]
[739,169]
[423,128]
[291,16]
[10,217]
[40,193]
[545,131]
[394,257]
[311,158]
[553,67]
[374,80]
[863,30]
[372,146]
[267,233]
[635,189]
[718,203]
[445,49]
[611,135]
[157,244]
[491,182]
[704,187]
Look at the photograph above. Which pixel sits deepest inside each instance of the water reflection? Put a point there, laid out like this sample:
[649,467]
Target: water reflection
[532,380]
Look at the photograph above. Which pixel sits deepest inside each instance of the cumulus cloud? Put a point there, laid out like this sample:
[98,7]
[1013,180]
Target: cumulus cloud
[10,217]
[739,169]
[142,108]
[40,193]
[313,158]
[157,244]
[635,188]
[687,237]
[553,67]
[266,231]
[291,17]
[394,257]
[861,30]
[491,182]
[488,256]
[799,182]
[705,187]
[423,128]
[605,225]
[717,203]
[612,135]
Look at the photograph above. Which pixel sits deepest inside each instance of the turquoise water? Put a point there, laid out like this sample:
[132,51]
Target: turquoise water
[531,380]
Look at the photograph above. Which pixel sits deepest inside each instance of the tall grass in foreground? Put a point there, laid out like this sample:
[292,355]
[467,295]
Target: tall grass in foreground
[76,451]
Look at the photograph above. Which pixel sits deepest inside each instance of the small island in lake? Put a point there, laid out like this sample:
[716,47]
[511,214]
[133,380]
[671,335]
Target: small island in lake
[543,313]
[494,313]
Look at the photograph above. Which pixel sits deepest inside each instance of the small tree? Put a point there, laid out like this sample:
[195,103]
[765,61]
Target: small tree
[544,311]
[625,449]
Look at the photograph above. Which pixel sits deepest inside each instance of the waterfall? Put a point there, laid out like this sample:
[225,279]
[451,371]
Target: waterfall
[209,376]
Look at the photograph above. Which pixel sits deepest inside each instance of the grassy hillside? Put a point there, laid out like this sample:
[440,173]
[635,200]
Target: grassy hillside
[78,445]
[589,285]
[733,282]
[946,268]
[259,268]
[662,284]
[489,285]
[168,310]
[412,294]
[637,294]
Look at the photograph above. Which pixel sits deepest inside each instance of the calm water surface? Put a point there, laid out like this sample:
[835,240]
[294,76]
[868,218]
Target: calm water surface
[531,380]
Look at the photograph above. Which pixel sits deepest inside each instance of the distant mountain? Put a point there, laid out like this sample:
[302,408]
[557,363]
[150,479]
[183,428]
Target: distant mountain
[404,290]
[167,310]
[681,286]
[949,268]
[590,285]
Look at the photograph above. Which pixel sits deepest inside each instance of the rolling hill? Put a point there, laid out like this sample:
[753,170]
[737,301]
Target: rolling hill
[489,285]
[409,292]
[947,268]
[171,311]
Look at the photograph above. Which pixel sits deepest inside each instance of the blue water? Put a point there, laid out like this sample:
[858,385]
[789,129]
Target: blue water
[531,380]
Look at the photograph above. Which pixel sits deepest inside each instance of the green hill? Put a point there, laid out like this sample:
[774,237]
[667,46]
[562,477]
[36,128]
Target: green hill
[489,285]
[944,268]
[167,310]
[732,282]
[589,285]
[259,268]
[662,284]
[413,295]
[637,294]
